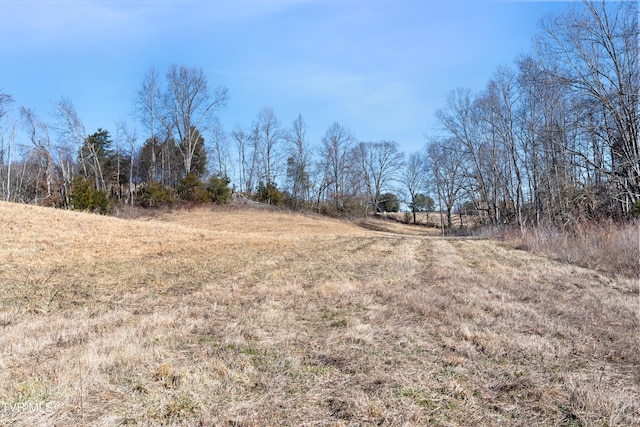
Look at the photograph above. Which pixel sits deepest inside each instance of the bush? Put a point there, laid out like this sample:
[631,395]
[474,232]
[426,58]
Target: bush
[218,189]
[407,217]
[269,194]
[388,202]
[328,209]
[190,188]
[155,194]
[353,208]
[85,197]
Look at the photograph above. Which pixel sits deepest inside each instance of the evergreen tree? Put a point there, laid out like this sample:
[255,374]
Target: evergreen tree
[100,162]
[389,202]
[422,203]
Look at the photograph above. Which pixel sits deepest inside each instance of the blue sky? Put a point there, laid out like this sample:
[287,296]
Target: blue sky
[379,67]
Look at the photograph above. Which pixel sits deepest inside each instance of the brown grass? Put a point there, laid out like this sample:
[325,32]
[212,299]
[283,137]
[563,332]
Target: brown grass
[247,317]
[606,246]
[434,219]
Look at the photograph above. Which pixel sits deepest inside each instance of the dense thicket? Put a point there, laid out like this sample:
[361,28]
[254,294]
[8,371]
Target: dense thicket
[551,139]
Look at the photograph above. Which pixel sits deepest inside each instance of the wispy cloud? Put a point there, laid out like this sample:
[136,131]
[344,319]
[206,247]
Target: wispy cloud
[42,21]
[78,21]
[381,104]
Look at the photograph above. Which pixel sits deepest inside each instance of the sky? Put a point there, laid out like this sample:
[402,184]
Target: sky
[381,68]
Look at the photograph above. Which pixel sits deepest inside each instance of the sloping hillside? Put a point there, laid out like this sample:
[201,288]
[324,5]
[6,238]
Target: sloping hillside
[251,317]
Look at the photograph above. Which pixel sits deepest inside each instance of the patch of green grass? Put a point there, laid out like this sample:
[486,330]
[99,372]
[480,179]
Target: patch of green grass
[180,408]
[33,391]
[127,421]
[336,318]
[424,398]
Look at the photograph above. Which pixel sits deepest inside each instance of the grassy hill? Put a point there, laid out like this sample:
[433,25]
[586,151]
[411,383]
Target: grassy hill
[252,317]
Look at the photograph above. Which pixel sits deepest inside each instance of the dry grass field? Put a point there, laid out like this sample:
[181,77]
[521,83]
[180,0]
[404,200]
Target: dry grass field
[434,219]
[241,317]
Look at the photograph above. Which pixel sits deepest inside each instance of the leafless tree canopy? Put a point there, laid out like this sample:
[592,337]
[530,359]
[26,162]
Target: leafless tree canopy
[189,106]
[556,137]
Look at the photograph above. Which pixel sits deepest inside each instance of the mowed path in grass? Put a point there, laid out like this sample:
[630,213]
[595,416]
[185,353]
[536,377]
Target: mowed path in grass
[249,317]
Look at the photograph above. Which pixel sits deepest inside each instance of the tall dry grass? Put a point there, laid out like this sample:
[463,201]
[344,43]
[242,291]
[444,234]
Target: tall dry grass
[605,246]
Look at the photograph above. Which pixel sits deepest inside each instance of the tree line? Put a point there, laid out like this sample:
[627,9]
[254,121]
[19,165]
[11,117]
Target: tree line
[552,138]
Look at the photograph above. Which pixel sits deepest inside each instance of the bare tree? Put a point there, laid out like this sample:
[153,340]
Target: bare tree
[445,164]
[298,160]
[6,145]
[269,135]
[220,147]
[336,145]
[546,122]
[71,130]
[594,48]
[414,179]
[39,135]
[147,105]
[498,113]
[189,108]
[10,146]
[379,165]
[126,135]
[460,120]
[246,143]
[319,180]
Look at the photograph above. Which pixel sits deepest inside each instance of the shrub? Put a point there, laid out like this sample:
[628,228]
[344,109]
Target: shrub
[190,188]
[155,194]
[388,203]
[85,197]
[218,189]
[327,209]
[269,193]
[353,208]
